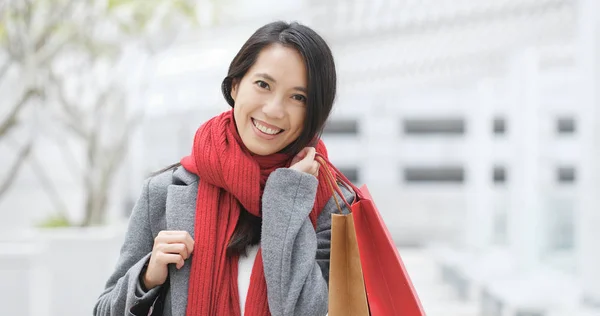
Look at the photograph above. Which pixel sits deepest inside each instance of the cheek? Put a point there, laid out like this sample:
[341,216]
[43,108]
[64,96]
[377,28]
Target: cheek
[243,103]
[237,112]
[249,100]
[297,120]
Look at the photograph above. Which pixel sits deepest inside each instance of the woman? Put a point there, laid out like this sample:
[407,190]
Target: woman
[242,225]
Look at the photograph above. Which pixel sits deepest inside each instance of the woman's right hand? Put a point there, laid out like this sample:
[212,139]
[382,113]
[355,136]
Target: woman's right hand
[169,247]
[305,161]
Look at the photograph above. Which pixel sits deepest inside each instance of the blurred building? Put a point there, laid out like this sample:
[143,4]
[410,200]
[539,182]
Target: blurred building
[425,89]
[474,124]
[471,121]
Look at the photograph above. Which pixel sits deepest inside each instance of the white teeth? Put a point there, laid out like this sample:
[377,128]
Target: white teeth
[265,129]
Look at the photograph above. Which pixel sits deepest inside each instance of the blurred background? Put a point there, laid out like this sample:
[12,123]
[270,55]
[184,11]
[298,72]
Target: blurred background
[474,123]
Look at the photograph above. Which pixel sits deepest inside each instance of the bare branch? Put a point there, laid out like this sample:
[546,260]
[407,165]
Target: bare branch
[65,104]
[119,151]
[92,149]
[13,49]
[54,21]
[108,165]
[11,119]
[73,120]
[21,28]
[75,128]
[102,100]
[15,168]
[50,53]
[47,184]
[4,69]
[27,14]
[70,159]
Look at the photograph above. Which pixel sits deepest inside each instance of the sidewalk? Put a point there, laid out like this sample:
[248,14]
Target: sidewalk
[438,299]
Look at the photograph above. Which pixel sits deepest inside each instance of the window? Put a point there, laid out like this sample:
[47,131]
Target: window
[565,125]
[447,174]
[499,126]
[529,313]
[560,224]
[341,127]
[499,175]
[565,175]
[447,126]
[350,173]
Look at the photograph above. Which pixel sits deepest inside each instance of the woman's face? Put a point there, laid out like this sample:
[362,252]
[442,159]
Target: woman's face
[270,100]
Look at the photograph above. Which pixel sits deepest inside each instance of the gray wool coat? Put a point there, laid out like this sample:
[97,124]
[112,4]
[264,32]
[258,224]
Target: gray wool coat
[295,255]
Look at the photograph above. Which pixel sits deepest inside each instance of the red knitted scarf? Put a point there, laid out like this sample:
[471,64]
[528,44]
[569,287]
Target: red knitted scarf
[230,176]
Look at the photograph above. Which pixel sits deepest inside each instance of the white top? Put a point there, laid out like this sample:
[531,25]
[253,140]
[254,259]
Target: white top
[244,271]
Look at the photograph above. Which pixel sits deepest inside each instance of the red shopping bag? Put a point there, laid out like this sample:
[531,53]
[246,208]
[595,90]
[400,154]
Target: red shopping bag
[388,286]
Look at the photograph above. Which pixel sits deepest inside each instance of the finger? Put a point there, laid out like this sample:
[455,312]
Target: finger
[166,233]
[168,239]
[310,154]
[172,232]
[189,242]
[170,235]
[182,237]
[300,155]
[174,249]
[315,168]
[167,258]
[306,164]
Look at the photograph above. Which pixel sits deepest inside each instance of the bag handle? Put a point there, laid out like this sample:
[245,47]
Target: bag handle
[332,182]
[333,187]
[340,177]
[335,197]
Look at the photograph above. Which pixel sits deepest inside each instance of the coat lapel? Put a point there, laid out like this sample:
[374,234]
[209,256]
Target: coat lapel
[180,215]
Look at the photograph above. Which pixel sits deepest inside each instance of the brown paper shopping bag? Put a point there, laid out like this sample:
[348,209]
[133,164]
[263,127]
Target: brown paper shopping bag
[388,286]
[347,296]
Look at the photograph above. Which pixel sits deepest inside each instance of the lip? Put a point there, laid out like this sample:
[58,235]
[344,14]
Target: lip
[262,135]
[267,124]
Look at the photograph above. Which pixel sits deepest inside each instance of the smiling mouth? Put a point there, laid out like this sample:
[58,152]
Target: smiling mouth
[269,130]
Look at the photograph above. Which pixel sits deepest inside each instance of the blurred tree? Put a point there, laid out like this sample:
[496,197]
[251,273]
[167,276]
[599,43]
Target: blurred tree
[65,60]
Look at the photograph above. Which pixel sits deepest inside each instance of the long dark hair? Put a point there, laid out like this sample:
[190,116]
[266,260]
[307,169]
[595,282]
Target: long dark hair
[322,80]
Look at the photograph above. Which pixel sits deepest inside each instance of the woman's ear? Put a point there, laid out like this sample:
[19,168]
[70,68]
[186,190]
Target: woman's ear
[234,88]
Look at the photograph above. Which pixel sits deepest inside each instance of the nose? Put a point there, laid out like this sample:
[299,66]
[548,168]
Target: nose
[274,108]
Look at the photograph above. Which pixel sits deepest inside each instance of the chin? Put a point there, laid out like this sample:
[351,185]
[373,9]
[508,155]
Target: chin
[262,151]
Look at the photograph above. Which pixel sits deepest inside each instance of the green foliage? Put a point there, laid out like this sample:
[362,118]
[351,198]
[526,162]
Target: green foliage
[115,4]
[128,20]
[2,33]
[55,221]
[186,8]
[38,36]
[134,16]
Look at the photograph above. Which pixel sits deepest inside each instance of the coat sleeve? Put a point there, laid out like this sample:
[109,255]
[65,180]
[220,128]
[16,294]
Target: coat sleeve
[123,290]
[295,255]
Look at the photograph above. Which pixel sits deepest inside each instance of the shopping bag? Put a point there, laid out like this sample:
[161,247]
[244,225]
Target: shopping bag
[389,288]
[347,295]
[387,283]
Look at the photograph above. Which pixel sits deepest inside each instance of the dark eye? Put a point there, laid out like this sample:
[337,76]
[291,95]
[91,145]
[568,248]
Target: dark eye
[262,84]
[299,97]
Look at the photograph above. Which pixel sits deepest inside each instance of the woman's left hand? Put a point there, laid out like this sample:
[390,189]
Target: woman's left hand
[305,161]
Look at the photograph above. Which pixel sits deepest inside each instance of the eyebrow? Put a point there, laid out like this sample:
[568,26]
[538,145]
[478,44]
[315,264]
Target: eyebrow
[268,77]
